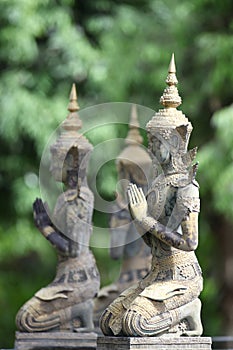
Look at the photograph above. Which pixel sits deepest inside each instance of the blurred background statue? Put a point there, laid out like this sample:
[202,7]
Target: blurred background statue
[66,303]
[133,165]
[166,301]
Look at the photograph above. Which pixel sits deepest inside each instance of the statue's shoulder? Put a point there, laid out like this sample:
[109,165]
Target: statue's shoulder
[189,190]
[86,194]
[64,199]
[70,195]
[188,197]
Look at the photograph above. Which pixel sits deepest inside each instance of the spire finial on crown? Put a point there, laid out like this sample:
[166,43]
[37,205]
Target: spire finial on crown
[169,118]
[73,104]
[133,136]
[170,97]
[69,136]
[72,122]
[172,65]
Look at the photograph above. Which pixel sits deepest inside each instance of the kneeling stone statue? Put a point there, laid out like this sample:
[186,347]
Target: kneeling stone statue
[166,301]
[66,304]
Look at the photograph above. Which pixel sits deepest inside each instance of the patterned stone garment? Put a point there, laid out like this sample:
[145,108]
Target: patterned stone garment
[67,302]
[133,165]
[166,301]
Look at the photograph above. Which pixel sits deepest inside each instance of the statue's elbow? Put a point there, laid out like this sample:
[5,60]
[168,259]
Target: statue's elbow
[192,245]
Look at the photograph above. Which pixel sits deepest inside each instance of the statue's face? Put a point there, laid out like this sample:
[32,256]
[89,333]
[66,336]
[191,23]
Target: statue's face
[160,151]
[60,168]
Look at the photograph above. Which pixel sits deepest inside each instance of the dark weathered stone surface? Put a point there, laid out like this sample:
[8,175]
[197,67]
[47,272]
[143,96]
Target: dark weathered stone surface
[154,343]
[55,340]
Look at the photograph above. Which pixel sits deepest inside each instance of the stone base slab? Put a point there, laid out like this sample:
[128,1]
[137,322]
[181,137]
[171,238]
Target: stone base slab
[222,342]
[153,343]
[55,340]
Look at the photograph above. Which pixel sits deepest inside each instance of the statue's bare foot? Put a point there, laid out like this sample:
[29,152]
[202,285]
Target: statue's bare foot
[194,319]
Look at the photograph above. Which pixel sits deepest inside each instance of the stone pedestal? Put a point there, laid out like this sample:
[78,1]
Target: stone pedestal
[224,342]
[153,343]
[55,340]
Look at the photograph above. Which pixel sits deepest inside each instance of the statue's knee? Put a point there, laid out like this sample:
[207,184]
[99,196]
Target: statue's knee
[33,317]
[137,324]
[105,322]
[130,323]
[28,321]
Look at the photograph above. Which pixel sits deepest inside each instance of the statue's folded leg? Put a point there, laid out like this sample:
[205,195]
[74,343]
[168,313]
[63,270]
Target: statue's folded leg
[37,316]
[147,317]
[111,319]
[42,316]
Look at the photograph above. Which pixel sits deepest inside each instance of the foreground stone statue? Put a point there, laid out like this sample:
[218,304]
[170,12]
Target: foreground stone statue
[166,301]
[66,304]
[133,164]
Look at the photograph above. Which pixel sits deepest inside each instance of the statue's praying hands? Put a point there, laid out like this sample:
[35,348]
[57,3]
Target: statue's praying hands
[137,202]
[187,240]
[40,214]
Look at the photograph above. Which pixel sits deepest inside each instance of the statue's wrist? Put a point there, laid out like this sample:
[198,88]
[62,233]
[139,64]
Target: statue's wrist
[47,231]
[149,223]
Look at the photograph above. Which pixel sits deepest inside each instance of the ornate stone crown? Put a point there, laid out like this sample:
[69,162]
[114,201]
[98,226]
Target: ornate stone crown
[134,158]
[69,137]
[170,125]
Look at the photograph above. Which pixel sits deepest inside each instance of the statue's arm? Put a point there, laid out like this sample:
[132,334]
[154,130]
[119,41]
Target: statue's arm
[187,241]
[46,227]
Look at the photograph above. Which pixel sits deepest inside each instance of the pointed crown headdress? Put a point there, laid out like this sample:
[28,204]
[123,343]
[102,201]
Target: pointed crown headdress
[134,152]
[69,137]
[169,124]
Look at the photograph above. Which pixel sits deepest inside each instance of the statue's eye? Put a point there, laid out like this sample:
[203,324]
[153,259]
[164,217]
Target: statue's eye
[175,141]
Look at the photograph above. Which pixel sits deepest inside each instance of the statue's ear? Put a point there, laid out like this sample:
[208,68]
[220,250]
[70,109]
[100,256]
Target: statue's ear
[182,130]
[188,157]
[194,169]
[192,153]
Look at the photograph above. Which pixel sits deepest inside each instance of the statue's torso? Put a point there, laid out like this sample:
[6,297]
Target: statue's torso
[169,201]
[73,218]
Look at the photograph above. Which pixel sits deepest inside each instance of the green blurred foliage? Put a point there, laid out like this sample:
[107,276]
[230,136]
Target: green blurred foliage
[216,175]
[218,154]
[114,51]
